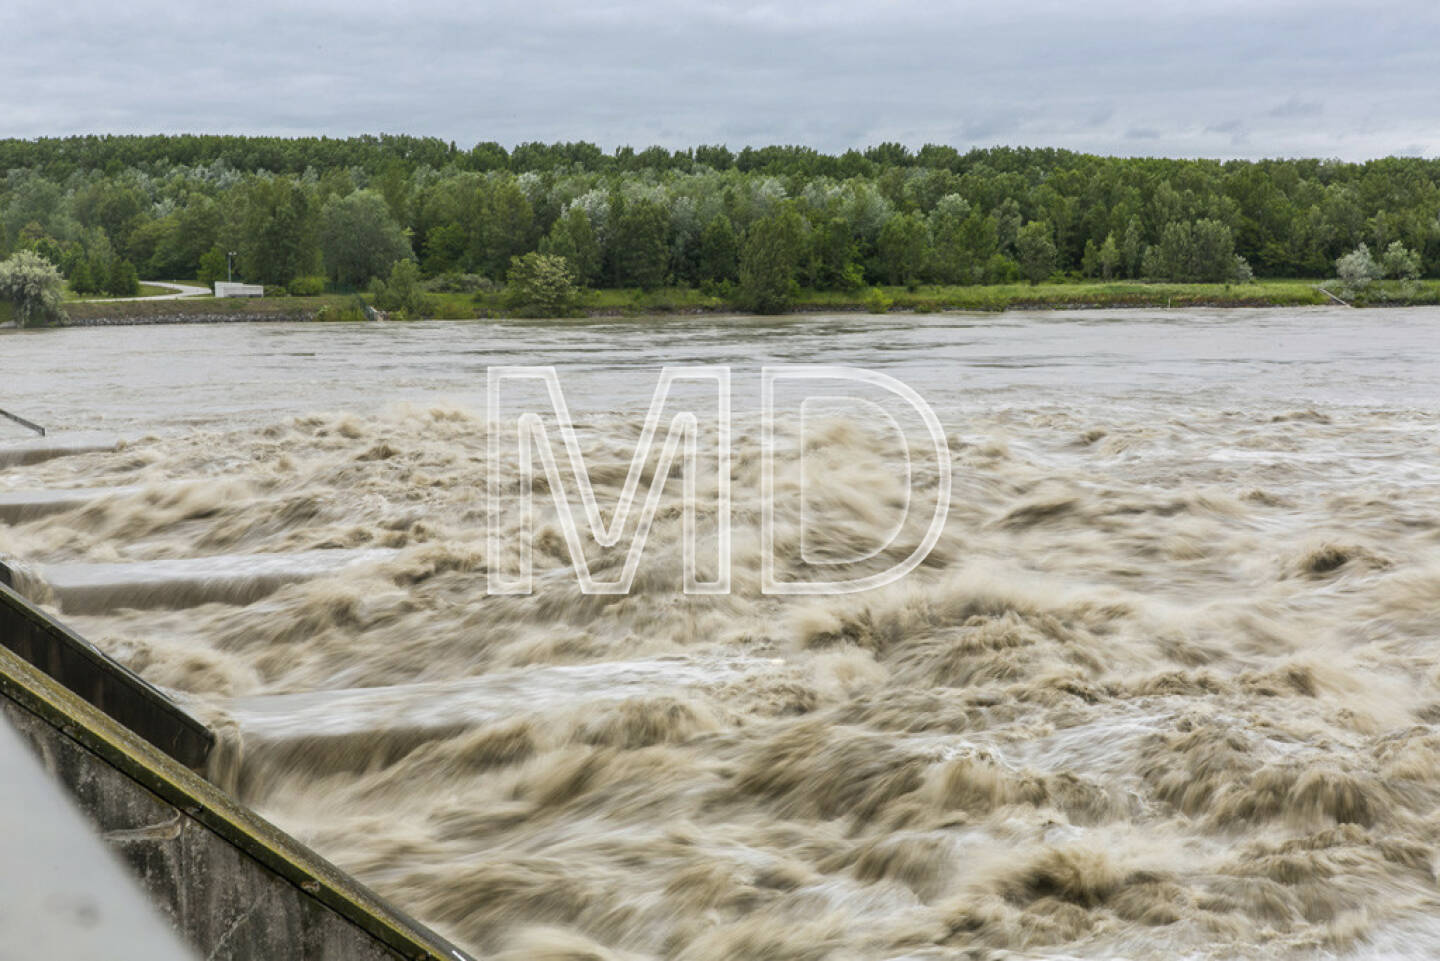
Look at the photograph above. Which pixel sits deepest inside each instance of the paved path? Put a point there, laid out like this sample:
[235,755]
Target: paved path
[181,290]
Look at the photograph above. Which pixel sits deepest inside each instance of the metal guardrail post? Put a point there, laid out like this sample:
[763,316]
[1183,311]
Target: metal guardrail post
[23,422]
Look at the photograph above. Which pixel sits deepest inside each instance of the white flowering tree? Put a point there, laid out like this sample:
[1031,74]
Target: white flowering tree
[33,285]
[1400,262]
[1358,269]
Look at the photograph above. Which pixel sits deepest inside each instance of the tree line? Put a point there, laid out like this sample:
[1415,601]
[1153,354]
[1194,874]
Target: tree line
[753,225]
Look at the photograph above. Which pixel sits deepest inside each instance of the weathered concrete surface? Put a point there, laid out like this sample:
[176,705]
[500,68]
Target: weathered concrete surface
[20,453]
[17,507]
[176,584]
[92,675]
[63,894]
[234,886]
[351,729]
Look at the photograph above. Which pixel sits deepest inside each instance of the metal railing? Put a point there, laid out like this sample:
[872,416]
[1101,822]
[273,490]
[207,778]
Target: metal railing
[23,422]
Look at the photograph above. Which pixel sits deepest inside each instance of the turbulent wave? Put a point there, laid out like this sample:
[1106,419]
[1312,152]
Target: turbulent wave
[1164,689]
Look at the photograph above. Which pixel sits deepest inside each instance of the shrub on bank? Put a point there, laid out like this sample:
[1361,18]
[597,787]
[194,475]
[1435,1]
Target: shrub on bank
[456,283]
[309,286]
[402,293]
[541,285]
[877,301]
[336,314]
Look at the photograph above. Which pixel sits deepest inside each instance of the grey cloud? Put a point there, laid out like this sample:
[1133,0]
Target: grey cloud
[986,129]
[1237,132]
[1101,114]
[1104,77]
[1295,107]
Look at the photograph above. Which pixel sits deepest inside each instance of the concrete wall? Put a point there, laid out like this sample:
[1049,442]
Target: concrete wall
[228,289]
[194,317]
[63,893]
[233,886]
[95,677]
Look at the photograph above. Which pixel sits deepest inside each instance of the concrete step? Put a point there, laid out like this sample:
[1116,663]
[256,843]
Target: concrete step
[17,507]
[356,728]
[177,584]
[35,450]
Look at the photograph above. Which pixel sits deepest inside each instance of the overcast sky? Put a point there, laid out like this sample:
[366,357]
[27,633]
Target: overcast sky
[1221,78]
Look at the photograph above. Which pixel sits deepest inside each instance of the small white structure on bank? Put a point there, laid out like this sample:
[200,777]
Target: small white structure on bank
[224,289]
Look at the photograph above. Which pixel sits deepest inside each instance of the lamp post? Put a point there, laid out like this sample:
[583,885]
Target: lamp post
[229,270]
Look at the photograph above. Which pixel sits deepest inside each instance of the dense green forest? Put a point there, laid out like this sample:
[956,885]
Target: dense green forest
[314,213]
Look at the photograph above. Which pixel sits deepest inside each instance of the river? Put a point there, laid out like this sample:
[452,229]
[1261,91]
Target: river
[1165,686]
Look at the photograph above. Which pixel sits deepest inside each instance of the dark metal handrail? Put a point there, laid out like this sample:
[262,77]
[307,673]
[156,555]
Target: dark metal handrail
[23,422]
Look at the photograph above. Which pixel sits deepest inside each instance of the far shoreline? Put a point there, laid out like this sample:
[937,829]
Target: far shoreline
[617,304]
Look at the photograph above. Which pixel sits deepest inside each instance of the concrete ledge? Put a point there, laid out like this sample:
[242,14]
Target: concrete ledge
[135,320]
[17,507]
[234,885]
[61,445]
[191,581]
[97,679]
[359,729]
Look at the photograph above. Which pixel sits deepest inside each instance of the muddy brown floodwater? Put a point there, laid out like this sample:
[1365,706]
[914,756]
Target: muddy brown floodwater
[1166,687]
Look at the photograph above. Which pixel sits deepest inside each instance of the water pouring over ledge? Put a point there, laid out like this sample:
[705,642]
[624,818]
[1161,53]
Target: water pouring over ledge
[1167,688]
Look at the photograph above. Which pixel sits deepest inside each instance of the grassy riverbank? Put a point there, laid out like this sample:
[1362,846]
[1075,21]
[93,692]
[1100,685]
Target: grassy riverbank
[1276,293]
[666,300]
[931,298]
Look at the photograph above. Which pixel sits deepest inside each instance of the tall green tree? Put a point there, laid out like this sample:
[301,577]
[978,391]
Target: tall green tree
[1109,258]
[31,198]
[505,225]
[1132,248]
[198,227]
[983,261]
[1036,247]
[360,239]
[718,259]
[902,247]
[835,256]
[949,254]
[278,231]
[573,237]
[1007,225]
[123,281]
[1199,252]
[774,246]
[445,247]
[115,206]
[213,267]
[637,249]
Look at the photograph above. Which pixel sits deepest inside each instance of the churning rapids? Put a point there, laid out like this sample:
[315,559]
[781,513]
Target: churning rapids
[1166,687]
